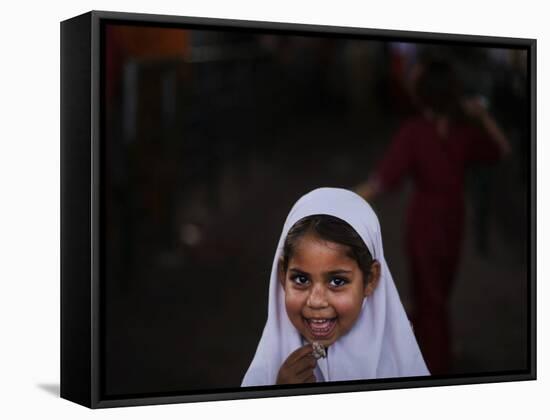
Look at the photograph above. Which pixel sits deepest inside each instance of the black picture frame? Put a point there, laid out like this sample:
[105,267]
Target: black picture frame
[82,163]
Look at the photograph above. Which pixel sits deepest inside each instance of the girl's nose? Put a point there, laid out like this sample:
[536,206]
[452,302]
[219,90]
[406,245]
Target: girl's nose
[317,298]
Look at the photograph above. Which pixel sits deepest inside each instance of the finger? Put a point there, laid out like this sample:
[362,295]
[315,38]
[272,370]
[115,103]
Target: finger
[303,362]
[306,363]
[301,377]
[299,353]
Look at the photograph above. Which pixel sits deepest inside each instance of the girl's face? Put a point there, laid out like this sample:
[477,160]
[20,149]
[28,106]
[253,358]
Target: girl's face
[324,289]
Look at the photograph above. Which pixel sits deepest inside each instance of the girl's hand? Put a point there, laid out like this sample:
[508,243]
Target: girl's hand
[298,367]
[475,107]
[368,189]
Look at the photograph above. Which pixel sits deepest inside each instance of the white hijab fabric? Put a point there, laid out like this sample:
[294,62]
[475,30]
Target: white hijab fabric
[381,343]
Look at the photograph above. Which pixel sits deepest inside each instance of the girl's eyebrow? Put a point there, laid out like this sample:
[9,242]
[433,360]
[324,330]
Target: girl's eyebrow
[330,273]
[297,270]
[339,271]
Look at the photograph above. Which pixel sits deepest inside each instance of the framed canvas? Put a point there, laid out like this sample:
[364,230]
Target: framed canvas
[257,209]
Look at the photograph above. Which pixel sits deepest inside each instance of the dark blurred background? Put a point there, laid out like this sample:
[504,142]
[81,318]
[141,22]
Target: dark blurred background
[209,139]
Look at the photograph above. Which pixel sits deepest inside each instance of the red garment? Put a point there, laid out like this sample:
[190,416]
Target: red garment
[435,218]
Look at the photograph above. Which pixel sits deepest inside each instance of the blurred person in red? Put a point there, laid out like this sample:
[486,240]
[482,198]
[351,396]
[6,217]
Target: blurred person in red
[434,149]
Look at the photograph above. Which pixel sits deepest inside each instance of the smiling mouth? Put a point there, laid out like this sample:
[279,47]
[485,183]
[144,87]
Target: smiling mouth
[320,327]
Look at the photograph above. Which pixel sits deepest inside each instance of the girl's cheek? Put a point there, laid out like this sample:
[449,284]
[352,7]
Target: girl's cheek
[292,294]
[346,302]
[343,298]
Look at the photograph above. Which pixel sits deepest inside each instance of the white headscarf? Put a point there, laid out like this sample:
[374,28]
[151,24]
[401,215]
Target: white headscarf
[381,343]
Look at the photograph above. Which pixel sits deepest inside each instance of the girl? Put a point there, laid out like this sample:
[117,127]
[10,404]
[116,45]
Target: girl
[330,284]
[434,149]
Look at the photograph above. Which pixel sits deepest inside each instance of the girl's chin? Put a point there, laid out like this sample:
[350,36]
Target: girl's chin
[324,341]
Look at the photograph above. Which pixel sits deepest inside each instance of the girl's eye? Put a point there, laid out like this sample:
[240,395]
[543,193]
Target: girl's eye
[300,279]
[338,282]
